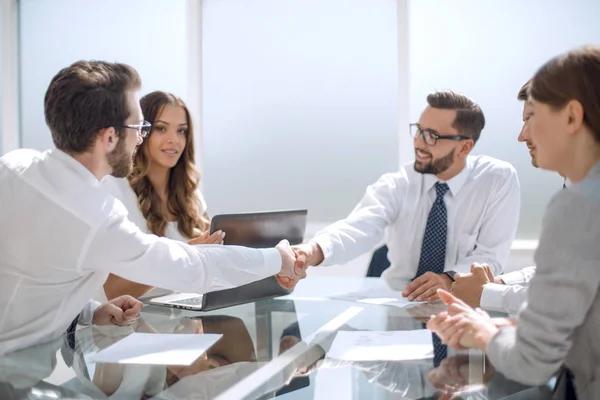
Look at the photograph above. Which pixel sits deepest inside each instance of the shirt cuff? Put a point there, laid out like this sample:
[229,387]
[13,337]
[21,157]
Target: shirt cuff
[492,297]
[87,315]
[272,261]
[513,278]
[326,246]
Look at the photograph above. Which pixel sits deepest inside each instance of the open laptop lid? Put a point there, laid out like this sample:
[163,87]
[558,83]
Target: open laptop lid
[257,230]
[261,230]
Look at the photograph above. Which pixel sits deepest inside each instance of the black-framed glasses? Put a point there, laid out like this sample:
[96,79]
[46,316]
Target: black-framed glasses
[430,136]
[142,129]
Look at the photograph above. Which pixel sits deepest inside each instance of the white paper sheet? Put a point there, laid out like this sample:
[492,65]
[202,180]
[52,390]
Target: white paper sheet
[383,296]
[381,346]
[157,349]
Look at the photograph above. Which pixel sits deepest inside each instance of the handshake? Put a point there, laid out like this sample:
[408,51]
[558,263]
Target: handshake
[295,260]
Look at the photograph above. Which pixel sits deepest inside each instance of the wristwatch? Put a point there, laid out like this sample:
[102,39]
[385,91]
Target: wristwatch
[450,275]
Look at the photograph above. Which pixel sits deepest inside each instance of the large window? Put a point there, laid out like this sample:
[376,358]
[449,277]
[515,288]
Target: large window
[300,103]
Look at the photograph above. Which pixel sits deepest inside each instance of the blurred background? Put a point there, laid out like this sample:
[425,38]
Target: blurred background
[301,103]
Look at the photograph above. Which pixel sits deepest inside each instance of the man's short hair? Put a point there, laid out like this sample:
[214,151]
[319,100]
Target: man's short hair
[469,120]
[86,97]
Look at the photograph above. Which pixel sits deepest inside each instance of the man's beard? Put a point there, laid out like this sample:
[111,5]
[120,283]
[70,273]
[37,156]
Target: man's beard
[435,166]
[120,160]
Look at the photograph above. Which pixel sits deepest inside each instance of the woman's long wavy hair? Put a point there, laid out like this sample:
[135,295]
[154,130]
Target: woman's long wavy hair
[182,200]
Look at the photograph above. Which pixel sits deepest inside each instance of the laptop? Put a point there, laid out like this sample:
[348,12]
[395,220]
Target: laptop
[257,230]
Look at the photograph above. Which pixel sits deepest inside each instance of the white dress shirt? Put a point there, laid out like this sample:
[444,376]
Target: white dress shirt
[122,190]
[62,234]
[509,297]
[483,211]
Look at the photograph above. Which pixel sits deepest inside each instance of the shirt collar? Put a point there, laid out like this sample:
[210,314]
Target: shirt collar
[74,165]
[455,183]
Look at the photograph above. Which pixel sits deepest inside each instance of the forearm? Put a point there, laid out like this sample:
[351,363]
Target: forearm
[155,261]
[116,286]
[343,242]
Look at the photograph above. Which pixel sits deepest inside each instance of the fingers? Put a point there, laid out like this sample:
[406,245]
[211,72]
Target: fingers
[415,295]
[216,238]
[207,238]
[433,298]
[449,299]
[449,327]
[285,282]
[432,291]
[488,272]
[417,283]
[455,308]
[126,302]
[479,273]
[454,340]
[115,315]
[199,239]
[134,312]
[474,266]
[288,259]
[435,321]
[301,258]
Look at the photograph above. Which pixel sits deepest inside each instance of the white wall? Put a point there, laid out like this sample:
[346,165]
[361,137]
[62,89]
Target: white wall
[300,103]
[150,35]
[488,50]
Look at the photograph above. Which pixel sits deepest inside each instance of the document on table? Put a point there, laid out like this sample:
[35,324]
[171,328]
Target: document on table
[383,296]
[381,346]
[157,349]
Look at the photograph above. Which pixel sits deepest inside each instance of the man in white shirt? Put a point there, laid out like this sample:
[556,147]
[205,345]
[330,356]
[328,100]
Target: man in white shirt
[505,292]
[440,213]
[62,233]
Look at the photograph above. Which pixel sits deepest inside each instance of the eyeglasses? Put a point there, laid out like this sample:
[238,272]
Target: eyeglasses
[142,129]
[430,136]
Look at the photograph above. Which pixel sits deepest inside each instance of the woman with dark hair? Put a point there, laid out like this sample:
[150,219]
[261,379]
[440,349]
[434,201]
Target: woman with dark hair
[161,194]
[558,327]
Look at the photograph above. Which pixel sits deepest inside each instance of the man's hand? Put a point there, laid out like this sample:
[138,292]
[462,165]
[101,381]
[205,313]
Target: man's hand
[291,270]
[425,287]
[121,311]
[308,254]
[207,238]
[469,287]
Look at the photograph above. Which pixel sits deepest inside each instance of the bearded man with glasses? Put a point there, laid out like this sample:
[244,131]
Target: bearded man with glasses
[439,214]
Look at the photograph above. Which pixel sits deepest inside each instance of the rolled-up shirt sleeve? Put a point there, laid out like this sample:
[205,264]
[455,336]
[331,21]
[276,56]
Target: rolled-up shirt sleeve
[121,248]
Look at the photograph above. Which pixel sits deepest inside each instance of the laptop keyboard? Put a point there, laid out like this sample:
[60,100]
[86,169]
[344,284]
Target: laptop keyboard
[192,301]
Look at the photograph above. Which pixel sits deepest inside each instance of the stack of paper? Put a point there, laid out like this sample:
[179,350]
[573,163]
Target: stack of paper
[382,346]
[158,349]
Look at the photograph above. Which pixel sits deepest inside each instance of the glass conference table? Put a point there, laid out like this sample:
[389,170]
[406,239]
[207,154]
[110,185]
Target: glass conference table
[276,348]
